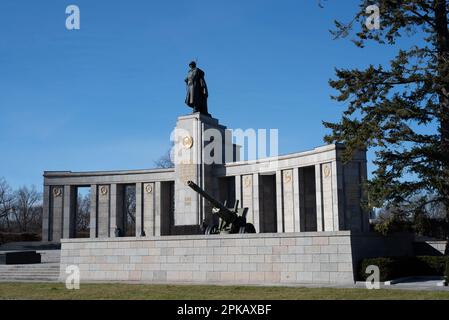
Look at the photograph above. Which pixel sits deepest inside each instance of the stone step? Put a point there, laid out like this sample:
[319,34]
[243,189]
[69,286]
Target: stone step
[2,271]
[46,272]
[30,270]
[29,266]
[30,274]
[27,272]
[29,279]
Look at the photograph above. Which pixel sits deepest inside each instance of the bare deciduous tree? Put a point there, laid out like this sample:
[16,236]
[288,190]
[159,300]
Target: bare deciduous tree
[27,209]
[165,161]
[6,204]
[130,210]
[83,215]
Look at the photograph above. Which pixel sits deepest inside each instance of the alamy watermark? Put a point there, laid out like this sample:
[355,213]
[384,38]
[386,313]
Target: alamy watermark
[72,282]
[373,20]
[73,20]
[373,280]
[224,146]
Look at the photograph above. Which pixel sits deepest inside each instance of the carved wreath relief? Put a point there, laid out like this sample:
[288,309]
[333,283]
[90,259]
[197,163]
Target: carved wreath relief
[57,192]
[187,142]
[247,182]
[287,177]
[327,171]
[148,188]
[104,190]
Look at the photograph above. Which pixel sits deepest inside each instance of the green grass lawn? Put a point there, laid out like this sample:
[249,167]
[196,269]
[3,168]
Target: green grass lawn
[181,292]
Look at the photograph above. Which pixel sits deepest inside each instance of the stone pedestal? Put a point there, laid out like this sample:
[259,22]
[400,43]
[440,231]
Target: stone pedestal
[201,145]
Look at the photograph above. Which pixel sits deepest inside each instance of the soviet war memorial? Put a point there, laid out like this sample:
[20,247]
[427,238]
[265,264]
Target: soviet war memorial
[280,161]
[214,218]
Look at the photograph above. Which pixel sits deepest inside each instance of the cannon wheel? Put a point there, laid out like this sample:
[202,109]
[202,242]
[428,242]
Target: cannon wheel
[211,229]
[248,228]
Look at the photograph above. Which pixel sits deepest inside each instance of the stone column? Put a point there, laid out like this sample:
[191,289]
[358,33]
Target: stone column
[256,201]
[57,207]
[151,225]
[288,201]
[157,209]
[338,195]
[69,223]
[327,173]
[319,198]
[46,215]
[93,211]
[247,197]
[103,215]
[114,208]
[296,201]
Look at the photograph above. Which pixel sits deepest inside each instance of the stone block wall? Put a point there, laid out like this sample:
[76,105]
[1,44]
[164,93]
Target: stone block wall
[272,259]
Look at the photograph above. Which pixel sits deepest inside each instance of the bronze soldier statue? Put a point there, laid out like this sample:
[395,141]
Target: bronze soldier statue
[197,93]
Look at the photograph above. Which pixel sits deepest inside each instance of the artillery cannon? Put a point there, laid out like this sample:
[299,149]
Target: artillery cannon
[229,220]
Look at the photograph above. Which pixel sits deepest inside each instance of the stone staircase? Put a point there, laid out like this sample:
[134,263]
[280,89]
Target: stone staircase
[47,271]
[43,272]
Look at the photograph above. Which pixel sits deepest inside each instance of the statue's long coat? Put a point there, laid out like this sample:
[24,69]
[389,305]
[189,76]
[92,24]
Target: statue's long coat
[196,90]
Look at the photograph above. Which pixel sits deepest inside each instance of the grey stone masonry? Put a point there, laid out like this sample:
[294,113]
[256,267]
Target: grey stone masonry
[293,258]
[194,138]
[307,191]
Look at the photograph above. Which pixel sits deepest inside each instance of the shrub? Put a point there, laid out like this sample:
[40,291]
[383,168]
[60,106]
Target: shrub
[397,267]
[387,267]
[430,265]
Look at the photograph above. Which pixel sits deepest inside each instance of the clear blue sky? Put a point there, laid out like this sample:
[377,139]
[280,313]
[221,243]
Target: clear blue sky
[107,96]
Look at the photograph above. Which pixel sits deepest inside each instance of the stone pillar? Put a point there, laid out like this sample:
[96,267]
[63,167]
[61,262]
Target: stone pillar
[46,215]
[319,198]
[104,200]
[69,223]
[338,195]
[192,162]
[327,196]
[296,201]
[158,210]
[279,202]
[93,227]
[150,224]
[288,205]
[56,212]
[114,208]
[247,197]
[256,201]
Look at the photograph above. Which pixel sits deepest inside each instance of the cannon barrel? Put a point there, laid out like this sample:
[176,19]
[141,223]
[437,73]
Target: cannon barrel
[224,213]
